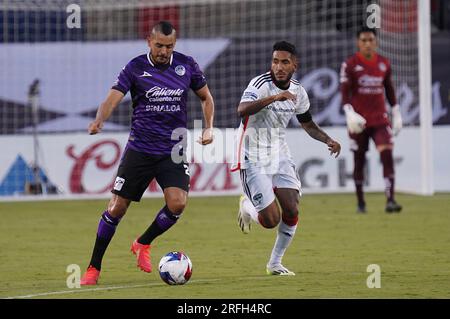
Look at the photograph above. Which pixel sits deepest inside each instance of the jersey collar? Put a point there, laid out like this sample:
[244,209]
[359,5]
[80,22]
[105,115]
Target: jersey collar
[372,61]
[152,64]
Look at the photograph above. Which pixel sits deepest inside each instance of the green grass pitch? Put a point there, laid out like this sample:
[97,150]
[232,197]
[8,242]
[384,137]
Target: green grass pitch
[330,253]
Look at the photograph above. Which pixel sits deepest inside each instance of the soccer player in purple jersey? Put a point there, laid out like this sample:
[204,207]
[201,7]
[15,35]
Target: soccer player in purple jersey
[159,83]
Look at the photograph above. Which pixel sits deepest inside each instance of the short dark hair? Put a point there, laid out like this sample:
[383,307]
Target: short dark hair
[164,27]
[366,29]
[285,46]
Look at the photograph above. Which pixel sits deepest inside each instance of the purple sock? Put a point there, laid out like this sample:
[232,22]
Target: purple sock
[107,225]
[165,218]
[106,229]
[163,221]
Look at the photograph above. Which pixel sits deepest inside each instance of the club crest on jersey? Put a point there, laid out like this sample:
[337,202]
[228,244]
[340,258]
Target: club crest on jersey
[257,198]
[382,66]
[180,70]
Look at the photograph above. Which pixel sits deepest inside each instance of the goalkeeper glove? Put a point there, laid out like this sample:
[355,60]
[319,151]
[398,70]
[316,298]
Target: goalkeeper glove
[397,122]
[355,122]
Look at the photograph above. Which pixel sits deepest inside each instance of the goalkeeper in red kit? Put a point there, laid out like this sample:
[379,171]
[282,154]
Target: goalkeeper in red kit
[365,79]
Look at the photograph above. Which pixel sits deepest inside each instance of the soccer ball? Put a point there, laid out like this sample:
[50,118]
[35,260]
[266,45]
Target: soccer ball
[175,268]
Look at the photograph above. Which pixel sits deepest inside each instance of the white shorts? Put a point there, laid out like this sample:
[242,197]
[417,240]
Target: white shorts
[259,186]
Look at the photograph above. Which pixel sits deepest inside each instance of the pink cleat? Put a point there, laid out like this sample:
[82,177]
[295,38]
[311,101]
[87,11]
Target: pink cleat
[90,277]
[142,253]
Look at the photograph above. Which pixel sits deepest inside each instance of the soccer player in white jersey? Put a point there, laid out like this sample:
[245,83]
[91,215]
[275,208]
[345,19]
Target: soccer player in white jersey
[262,156]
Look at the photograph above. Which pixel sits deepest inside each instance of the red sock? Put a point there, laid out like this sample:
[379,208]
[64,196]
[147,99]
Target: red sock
[289,221]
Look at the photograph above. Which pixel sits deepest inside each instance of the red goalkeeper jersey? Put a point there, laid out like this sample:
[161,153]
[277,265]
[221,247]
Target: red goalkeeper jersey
[363,85]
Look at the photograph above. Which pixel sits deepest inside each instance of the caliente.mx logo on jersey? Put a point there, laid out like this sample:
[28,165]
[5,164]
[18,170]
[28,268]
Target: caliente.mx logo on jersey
[164,99]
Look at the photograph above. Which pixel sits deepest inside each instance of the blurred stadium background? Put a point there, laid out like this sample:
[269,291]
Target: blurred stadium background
[42,135]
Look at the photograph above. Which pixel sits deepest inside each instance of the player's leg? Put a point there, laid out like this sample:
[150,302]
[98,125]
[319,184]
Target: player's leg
[384,142]
[359,144]
[258,204]
[288,199]
[287,191]
[167,217]
[109,220]
[129,185]
[176,199]
[133,176]
[174,180]
[246,213]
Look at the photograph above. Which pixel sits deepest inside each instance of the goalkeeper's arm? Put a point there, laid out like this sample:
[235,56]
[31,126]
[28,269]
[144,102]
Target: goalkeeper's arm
[355,122]
[397,122]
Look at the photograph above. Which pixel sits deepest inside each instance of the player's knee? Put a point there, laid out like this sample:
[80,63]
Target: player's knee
[384,147]
[290,217]
[290,212]
[118,207]
[176,205]
[270,218]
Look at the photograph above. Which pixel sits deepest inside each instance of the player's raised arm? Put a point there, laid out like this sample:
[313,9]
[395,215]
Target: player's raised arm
[318,134]
[104,111]
[250,108]
[207,102]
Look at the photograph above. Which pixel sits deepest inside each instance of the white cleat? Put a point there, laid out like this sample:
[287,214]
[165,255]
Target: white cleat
[279,270]
[244,219]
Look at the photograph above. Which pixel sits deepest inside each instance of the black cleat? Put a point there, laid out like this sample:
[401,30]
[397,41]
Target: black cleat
[361,209]
[393,207]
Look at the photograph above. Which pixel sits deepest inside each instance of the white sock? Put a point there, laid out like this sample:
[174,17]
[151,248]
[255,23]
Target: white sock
[248,207]
[284,238]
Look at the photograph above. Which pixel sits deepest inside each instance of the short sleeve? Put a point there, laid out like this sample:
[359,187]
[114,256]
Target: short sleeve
[302,101]
[198,79]
[124,80]
[256,90]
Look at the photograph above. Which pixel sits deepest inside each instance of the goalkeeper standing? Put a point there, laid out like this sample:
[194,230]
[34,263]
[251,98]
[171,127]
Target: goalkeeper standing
[365,77]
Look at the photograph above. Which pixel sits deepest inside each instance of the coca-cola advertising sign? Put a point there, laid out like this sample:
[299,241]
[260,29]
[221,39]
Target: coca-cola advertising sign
[80,165]
[213,177]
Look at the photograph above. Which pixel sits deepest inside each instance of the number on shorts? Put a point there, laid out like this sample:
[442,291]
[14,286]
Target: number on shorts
[186,169]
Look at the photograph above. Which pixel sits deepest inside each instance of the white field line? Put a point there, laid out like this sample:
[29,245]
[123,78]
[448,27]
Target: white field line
[64,292]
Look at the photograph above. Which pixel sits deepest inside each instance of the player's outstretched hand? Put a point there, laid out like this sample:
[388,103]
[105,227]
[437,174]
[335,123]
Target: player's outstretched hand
[334,147]
[286,95]
[207,137]
[95,127]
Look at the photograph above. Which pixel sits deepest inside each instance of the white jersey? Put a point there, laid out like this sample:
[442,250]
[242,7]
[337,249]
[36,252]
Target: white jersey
[261,136]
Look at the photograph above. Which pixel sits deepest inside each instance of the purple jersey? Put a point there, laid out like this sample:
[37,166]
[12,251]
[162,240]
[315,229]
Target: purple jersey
[159,96]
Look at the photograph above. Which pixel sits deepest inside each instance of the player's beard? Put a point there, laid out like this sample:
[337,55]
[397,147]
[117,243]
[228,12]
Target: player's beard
[164,64]
[282,84]
[162,59]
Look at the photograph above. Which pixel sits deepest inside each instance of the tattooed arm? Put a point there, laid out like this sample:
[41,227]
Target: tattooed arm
[318,134]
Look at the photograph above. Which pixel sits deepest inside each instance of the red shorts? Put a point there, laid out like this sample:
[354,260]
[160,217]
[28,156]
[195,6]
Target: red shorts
[381,135]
